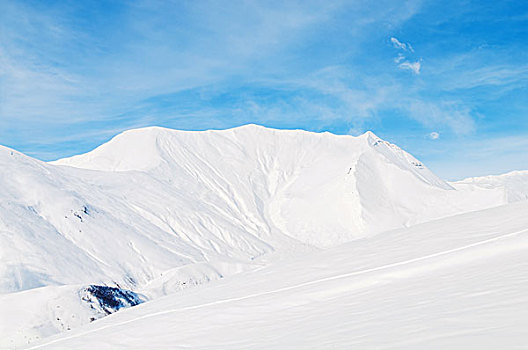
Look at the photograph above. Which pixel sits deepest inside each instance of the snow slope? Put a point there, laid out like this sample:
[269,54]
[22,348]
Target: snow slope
[459,282]
[158,210]
[34,314]
[513,184]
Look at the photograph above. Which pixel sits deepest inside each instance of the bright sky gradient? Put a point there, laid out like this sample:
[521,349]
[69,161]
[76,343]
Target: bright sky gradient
[445,80]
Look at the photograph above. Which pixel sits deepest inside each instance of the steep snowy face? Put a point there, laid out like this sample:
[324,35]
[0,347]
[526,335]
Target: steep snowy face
[321,189]
[398,157]
[68,226]
[513,184]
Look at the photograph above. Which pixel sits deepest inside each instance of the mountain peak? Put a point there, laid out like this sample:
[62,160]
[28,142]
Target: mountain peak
[370,134]
[145,148]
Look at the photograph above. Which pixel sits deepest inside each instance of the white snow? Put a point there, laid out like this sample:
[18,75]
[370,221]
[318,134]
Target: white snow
[458,282]
[514,184]
[158,211]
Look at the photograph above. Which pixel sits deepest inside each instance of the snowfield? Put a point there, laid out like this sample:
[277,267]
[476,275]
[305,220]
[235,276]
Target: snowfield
[254,237]
[514,184]
[458,282]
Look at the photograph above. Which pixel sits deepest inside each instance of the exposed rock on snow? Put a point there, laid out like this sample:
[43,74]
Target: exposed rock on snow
[109,299]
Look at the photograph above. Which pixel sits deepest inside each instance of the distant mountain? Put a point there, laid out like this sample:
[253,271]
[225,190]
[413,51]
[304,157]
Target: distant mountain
[514,184]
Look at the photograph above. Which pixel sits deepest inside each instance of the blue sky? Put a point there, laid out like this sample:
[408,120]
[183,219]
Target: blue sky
[445,80]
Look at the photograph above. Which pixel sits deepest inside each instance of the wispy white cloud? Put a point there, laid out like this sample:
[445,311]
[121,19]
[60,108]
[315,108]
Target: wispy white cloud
[338,95]
[453,74]
[397,44]
[57,75]
[400,45]
[399,58]
[71,72]
[402,61]
[412,66]
[456,116]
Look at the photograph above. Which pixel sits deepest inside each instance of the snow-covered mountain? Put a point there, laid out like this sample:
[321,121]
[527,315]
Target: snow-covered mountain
[514,184]
[320,189]
[156,210]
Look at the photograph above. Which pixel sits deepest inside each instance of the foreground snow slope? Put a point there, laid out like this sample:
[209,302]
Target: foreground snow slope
[458,282]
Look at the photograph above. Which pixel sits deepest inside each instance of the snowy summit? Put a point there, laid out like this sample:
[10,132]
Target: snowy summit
[203,216]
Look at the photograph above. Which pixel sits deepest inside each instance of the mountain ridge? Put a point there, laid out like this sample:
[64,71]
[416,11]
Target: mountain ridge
[159,210]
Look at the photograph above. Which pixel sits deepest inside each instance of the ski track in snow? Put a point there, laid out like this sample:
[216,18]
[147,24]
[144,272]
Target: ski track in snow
[289,288]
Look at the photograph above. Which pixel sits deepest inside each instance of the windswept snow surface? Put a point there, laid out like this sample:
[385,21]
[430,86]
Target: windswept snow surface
[156,210]
[459,282]
[513,184]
